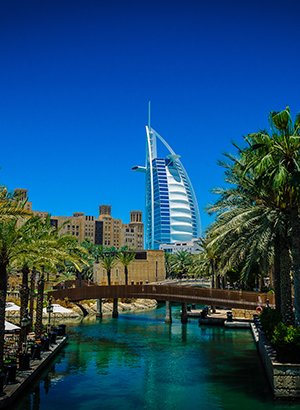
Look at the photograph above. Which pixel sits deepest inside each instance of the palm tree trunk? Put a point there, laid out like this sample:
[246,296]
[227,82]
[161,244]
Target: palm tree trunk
[126,275]
[285,282]
[24,295]
[212,274]
[39,303]
[31,296]
[277,272]
[108,277]
[296,261]
[3,290]
[262,281]
[213,283]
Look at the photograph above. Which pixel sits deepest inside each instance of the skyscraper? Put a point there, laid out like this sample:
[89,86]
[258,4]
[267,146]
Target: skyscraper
[172,212]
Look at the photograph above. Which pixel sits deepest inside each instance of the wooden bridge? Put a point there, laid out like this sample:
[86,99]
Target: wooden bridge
[168,293]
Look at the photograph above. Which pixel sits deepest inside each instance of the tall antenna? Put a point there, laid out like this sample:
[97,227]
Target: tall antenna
[149,111]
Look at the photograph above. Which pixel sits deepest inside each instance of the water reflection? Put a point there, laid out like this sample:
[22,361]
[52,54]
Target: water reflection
[139,362]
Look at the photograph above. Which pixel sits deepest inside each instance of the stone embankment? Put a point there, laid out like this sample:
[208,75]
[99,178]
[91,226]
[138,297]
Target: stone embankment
[91,308]
[284,378]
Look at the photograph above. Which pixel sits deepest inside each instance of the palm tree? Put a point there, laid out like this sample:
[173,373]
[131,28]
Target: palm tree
[54,252]
[262,205]
[90,257]
[169,262]
[28,230]
[11,206]
[51,253]
[248,223]
[31,293]
[109,261]
[10,239]
[126,258]
[207,259]
[182,262]
[67,274]
[278,156]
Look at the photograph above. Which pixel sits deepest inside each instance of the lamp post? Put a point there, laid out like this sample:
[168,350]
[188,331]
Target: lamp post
[49,309]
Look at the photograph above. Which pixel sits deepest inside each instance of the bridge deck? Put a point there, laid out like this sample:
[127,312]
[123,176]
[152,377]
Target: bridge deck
[182,294]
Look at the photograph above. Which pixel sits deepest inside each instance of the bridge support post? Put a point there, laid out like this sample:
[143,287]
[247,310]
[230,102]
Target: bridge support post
[168,318]
[99,308]
[184,317]
[115,313]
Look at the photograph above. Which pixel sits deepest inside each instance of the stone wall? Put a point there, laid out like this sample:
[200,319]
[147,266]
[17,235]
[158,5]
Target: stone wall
[247,314]
[283,377]
[131,305]
[140,271]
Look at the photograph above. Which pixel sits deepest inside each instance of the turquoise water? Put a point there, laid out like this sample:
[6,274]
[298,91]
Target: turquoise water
[139,362]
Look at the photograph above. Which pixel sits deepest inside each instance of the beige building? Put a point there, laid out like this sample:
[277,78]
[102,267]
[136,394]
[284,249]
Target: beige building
[22,195]
[105,230]
[79,225]
[148,267]
[118,234]
[111,227]
[132,234]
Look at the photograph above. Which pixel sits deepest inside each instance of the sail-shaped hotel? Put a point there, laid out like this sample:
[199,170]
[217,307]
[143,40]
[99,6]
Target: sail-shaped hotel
[172,212]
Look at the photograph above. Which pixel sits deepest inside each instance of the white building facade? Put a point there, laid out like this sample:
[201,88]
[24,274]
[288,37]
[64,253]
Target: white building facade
[189,246]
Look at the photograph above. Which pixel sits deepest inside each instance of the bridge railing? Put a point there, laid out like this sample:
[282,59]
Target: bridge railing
[205,296]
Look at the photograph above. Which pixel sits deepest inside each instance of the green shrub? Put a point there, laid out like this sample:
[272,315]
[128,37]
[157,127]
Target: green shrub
[284,339]
[286,342]
[269,318]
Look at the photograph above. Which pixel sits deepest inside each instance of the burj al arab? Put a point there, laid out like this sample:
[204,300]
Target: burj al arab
[172,212]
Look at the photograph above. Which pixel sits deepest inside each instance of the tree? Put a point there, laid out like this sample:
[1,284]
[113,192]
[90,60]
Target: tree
[278,155]
[53,251]
[28,230]
[249,221]
[169,261]
[182,262]
[10,239]
[206,261]
[11,206]
[260,211]
[109,261]
[125,258]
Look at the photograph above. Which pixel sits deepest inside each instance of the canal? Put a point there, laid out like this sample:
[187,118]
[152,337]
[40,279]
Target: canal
[139,362]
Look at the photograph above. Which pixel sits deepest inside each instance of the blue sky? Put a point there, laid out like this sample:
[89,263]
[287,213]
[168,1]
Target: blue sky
[76,78]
